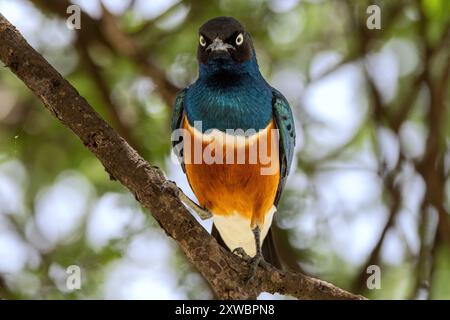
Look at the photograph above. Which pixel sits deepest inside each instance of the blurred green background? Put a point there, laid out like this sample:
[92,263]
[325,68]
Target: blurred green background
[371,183]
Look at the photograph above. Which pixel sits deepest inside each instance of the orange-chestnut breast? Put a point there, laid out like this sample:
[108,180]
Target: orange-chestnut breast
[236,178]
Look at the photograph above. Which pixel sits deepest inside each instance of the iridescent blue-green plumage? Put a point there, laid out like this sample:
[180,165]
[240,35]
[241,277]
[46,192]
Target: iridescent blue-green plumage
[285,123]
[238,98]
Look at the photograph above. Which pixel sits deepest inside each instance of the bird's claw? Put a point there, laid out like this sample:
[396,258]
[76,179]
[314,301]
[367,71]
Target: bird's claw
[241,253]
[253,263]
[171,187]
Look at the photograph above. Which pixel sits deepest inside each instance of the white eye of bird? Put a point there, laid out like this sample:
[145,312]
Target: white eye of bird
[202,41]
[240,39]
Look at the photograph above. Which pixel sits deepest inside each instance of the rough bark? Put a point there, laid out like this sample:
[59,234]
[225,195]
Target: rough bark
[224,271]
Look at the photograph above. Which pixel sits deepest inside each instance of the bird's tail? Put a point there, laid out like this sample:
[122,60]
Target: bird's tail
[268,248]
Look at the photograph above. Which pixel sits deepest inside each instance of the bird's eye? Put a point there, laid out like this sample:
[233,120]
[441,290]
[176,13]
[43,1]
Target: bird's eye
[202,41]
[240,39]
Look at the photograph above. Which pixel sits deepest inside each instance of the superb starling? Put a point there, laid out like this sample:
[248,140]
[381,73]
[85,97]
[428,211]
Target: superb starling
[228,112]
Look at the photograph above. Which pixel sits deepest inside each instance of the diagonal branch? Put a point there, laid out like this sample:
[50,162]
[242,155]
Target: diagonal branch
[223,270]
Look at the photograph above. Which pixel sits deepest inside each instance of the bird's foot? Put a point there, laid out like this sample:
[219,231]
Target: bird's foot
[171,187]
[253,262]
[241,253]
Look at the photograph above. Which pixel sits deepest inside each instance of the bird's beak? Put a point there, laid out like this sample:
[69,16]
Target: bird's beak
[219,45]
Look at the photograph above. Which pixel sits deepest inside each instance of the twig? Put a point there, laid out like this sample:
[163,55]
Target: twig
[129,48]
[107,33]
[111,107]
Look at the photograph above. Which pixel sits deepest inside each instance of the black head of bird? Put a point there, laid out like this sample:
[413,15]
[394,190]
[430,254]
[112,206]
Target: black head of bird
[224,40]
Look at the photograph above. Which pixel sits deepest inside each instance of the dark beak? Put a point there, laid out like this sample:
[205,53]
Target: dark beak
[218,49]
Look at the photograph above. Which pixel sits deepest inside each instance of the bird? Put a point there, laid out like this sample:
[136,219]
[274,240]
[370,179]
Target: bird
[231,110]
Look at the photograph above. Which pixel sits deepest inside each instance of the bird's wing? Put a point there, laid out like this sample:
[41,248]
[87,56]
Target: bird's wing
[177,118]
[285,124]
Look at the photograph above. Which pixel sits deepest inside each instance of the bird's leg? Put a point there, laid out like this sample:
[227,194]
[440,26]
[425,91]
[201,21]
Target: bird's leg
[201,212]
[258,259]
[255,261]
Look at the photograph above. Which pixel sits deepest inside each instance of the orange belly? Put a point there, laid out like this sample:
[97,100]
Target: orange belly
[248,188]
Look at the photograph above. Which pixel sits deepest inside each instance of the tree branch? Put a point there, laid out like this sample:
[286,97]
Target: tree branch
[431,167]
[223,270]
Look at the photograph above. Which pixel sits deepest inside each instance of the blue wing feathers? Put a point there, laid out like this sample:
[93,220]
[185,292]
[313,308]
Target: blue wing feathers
[286,128]
[177,117]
